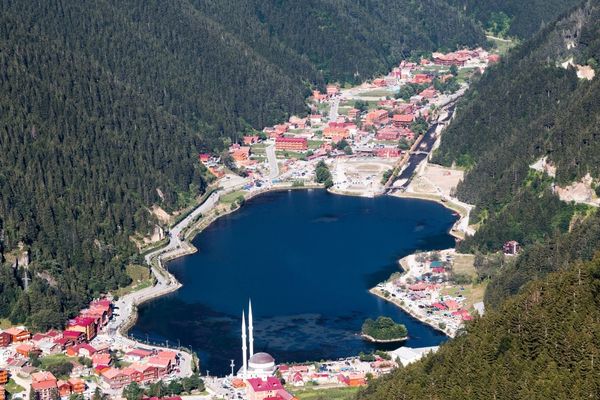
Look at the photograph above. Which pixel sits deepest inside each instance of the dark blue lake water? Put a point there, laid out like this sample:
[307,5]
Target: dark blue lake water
[307,260]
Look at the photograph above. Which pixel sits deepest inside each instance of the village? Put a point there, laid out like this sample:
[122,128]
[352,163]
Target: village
[364,135]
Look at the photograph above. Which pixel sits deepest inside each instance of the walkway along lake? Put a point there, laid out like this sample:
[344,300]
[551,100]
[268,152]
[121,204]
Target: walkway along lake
[307,259]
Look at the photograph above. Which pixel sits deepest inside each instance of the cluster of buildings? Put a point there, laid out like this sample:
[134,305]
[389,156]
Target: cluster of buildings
[18,345]
[419,292]
[149,367]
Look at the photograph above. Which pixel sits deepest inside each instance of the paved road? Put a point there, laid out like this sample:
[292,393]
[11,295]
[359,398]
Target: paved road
[333,111]
[273,166]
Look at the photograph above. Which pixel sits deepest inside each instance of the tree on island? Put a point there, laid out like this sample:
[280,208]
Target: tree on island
[384,328]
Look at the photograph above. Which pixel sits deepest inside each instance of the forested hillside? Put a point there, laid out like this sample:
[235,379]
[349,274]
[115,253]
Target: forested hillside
[542,344]
[522,18]
[345,40]
[526,108]
[104,106]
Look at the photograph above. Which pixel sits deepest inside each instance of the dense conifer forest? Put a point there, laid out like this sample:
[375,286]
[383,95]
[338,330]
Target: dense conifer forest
[526,108]
[104,106]
[523,18]
[541,344]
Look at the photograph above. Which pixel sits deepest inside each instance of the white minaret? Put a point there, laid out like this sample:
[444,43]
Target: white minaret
[250,328]
[244,348]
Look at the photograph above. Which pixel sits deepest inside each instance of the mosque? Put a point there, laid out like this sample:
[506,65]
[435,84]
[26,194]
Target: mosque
[259,365]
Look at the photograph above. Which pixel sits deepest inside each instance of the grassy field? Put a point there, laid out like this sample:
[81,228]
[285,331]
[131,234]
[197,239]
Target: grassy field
[502,46]
[314,144]
[13,388]
[141,278]
[376,93]
[55,359]
[372,103]
[344,110]
[231,197]
[472,293]
[343,393]
[463,264]
[4,323]
[290,154]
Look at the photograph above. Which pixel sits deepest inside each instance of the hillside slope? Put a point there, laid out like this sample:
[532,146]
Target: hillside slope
[526,17]
[526,108]
[542,344]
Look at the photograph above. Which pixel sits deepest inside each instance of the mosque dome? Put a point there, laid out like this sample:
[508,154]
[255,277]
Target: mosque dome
[261,361]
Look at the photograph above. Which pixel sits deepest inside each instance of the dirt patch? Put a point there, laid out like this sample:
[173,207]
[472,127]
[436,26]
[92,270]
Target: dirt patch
[161,215]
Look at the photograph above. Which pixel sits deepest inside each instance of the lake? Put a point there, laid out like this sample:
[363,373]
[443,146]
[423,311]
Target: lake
[307,259]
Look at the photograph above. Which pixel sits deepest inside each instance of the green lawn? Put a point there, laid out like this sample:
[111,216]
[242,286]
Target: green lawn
[5,323]
[13,388]
[290,154]
[372,103]
[314,144]
[377,93]
[141,278]
[343,393]
[502,46]
[231,197]
[54,359]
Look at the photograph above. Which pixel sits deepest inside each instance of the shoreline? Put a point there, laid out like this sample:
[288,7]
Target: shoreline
[167,283]
[407,310]
[371,339]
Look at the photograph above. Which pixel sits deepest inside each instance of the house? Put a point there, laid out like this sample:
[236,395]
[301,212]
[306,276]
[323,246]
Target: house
[64,388]
[452,305]
[3,376]
[353,379]
[511,248]
[115,379]
[376,117]
[338,132]
[259,389]
[137,355]
[26,350]
[379,82]
[421,79]
[145,373]
[293,144]
[239,153]
[428,93]
[85,325]
[81,350]
[332,90]
[49,347]
[315,119]
[388,133]
[18,334]
[44,384]
[353,113]
[77,385]
[403,119]
[458,59]
[493,58]
[248,140]
[5,339]
[101,360]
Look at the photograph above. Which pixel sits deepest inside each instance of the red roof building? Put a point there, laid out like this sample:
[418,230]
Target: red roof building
[85,325]
[292,144]
[43,384]
[5,339]
[377,117]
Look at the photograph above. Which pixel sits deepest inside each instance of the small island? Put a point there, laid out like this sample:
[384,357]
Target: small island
[383,330]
